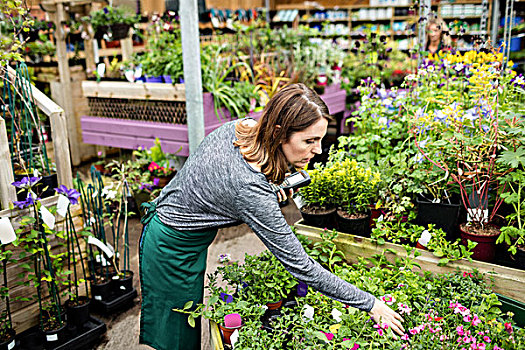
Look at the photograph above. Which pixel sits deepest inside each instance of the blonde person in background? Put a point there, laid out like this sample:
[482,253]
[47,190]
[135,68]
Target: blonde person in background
[438,37]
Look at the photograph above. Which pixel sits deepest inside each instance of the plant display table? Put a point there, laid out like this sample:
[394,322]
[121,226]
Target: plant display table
[507,281]
[130,115]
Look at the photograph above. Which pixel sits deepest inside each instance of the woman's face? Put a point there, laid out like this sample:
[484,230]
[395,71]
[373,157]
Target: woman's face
[303,145]
[434,33]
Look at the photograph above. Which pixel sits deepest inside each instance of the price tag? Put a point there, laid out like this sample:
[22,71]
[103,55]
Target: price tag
[11,345]
[479,215]
[234,337]
[7,232]
[62,205]
[47,217]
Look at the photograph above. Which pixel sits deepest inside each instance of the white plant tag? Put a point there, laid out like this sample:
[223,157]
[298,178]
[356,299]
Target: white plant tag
[111,248]
[101,69]
[425,238]
[36,173]
[11,345]
[62,205]
[47,217]
[215,22]
[234,337]
[98,297]
[130,75]
[299,201]
[122,287]
[115,277]
[481,215]
[7,232]
[101,245]
[52,337]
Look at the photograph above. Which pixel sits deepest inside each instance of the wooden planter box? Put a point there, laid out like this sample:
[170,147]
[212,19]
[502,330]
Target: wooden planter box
[507,281]
[130,115]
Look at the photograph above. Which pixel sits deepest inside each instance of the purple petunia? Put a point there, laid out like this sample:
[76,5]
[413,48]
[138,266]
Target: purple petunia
[26,182]
[25,203]
[71,194]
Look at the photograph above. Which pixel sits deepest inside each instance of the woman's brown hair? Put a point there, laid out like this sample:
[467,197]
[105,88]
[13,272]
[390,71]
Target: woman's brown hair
[295,108]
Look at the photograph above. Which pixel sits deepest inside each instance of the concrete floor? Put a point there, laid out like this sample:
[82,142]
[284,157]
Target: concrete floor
[123,329]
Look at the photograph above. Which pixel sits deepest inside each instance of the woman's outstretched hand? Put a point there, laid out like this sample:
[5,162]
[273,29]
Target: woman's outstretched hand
[381,313]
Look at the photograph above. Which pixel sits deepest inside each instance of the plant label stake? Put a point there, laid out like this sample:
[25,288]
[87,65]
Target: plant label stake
[47,217]
[102,246]
[7,233]
[62,205]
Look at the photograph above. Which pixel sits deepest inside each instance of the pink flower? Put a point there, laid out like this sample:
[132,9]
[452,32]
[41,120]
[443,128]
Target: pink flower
[469,274]
[508,327]
[153,166]
[497,348]
[404,336]
[475,320]
[467,318]
[388,299]
[460,309]
[403,309]
[380,331]
[486,339]
[466,340]
[460,330]
[414,331]
[355,347]
[329,336]
[443,337]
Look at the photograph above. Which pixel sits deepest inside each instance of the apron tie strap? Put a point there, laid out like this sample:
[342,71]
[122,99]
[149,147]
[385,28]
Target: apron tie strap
[149,209]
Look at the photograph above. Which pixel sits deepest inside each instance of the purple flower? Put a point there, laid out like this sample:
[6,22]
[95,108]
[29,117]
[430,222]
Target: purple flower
[26,182]
[106,10]
[25,203]
[71,194]
[227,298]
[156,181]
[146,186]
[302,289]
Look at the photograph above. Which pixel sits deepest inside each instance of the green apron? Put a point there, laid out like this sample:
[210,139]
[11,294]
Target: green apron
[172,269]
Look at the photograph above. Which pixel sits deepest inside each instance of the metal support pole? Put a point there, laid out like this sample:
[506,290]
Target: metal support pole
[189,25]
[495,22]
[267,5]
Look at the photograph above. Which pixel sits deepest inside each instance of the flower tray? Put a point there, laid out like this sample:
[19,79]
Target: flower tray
[84,338]
[514,306]
[115,303]
[507,281]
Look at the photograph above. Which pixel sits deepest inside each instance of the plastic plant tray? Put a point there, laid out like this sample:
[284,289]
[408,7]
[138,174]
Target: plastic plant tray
[118,303]
[84,338]
[515,307]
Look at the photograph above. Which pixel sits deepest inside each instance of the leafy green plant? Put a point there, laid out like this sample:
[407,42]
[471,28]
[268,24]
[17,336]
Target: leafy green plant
[513,234]
[112,15]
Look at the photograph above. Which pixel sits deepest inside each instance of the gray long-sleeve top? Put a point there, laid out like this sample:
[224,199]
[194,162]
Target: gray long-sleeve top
[217,187]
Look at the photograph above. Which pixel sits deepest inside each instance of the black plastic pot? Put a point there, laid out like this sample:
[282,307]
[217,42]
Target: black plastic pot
[10,342]
[124,284]
[54,337]
[321,220]
[519,257]
[119,31]
[442,215]
[360,226]
[101,291]
[49,181]
[78,315]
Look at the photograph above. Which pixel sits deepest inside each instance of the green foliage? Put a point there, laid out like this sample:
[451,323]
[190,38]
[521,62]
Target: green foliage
[513,234]
[111,15]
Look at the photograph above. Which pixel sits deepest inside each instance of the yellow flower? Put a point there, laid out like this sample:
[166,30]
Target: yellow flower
[334,328]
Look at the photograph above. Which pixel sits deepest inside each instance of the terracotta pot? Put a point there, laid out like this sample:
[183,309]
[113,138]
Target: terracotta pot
[274,306]
[374,214]
[485,249]
[227,332]
[420,246]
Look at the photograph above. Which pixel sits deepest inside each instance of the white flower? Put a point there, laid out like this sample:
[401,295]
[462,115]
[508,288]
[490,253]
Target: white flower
[223,258]
[459,66]
[111,194]
[382,121]
[308,313]
[336,314]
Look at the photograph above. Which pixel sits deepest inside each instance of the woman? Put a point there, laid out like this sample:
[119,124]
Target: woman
[437,35]
[226,182]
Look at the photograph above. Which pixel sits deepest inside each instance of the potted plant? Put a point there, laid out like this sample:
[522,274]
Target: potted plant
[114,22]
[320,198]
[356,189]
[77,306]
[7,332]
[513,232]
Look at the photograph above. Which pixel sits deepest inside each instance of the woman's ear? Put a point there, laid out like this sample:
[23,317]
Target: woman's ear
[277,129]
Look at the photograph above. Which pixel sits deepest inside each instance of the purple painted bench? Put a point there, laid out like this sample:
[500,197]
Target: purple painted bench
[132,134]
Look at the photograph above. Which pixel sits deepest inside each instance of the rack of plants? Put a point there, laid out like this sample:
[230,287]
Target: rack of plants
[84,338]
[130,115]
[507,281]
[114,304]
